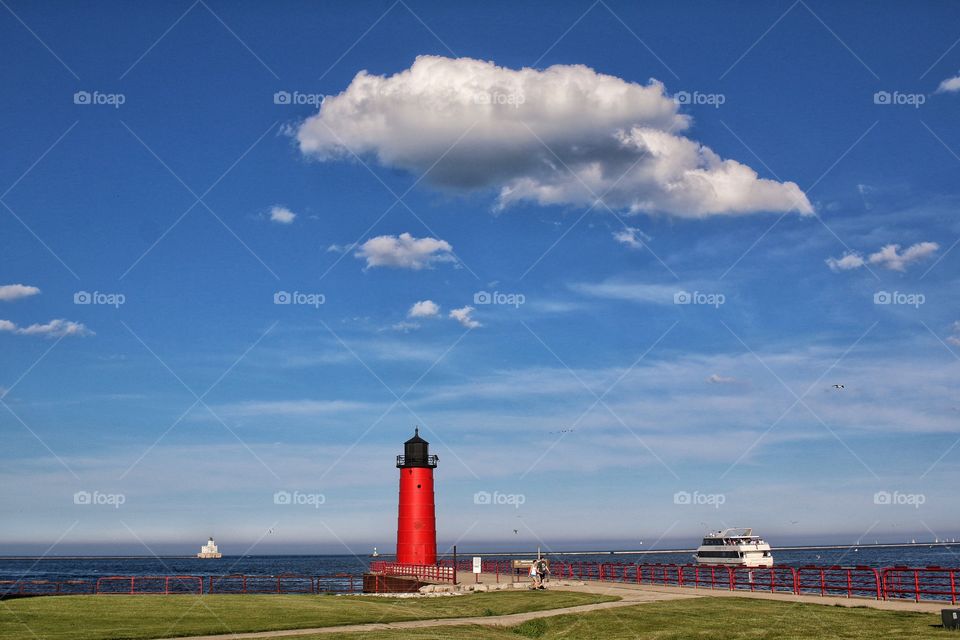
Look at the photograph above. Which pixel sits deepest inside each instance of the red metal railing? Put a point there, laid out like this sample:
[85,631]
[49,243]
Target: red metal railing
[850,582]
[768,579]
[137,585]
[172,585]
[432,572]
[915,583]
[46,587]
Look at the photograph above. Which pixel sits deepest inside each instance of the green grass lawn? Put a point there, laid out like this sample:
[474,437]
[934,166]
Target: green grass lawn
[116,617]
[698,619]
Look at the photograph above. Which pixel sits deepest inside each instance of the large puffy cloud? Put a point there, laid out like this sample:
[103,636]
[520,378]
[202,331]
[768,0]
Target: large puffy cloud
[405,252]
[565,135]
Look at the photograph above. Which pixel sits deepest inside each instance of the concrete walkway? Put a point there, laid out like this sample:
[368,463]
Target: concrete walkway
[629,594]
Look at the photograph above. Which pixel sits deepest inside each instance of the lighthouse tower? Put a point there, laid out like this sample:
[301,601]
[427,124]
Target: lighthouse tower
[417,521]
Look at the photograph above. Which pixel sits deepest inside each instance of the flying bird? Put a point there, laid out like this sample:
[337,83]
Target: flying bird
[838,386]
[515,531]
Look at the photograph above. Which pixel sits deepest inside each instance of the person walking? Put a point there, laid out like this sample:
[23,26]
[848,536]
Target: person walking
[543,570]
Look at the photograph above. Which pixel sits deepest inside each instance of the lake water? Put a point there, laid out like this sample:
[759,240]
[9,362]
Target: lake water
[75,568]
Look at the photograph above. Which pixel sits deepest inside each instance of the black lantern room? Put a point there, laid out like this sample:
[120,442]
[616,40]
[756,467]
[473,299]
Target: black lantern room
[416,453]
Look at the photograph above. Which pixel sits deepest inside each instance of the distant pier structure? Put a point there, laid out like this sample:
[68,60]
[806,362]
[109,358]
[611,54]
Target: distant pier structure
[210,550]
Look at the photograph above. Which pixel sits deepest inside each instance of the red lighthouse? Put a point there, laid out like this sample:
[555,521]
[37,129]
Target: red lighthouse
[417,521]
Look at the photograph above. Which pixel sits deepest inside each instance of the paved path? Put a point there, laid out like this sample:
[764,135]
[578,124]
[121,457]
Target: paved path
[629,594]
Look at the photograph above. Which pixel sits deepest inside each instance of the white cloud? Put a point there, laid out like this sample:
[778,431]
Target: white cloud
[955,329]
[630,291]
[405,327]
[281,215]
[463,315]
[950,85]
[405,252]
[892,258]
[558,136]
[9,292]
[631,237]
[424,309]
[849,261]
[889,257]
[54,329]
[715,378]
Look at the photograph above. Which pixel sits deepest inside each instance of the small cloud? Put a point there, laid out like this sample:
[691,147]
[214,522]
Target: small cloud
[424,309]
[54,329]
[464,317]
[10,292]
[631,237]
[341,248]
[282,215]
[950,85]
[715,378]
[892,258]
[405,327]
[889,257]
[405,252]
[955,338]
[852,260]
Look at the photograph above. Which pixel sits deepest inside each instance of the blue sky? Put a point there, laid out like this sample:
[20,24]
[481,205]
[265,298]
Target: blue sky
[789,169]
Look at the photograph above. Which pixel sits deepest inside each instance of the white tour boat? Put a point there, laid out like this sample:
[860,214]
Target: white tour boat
[735,547]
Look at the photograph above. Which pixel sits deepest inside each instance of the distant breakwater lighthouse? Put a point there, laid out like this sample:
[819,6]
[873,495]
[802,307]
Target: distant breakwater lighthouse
[417,519]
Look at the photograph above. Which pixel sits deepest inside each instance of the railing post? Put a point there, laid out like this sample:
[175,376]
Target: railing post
[953,586]
[916,584]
